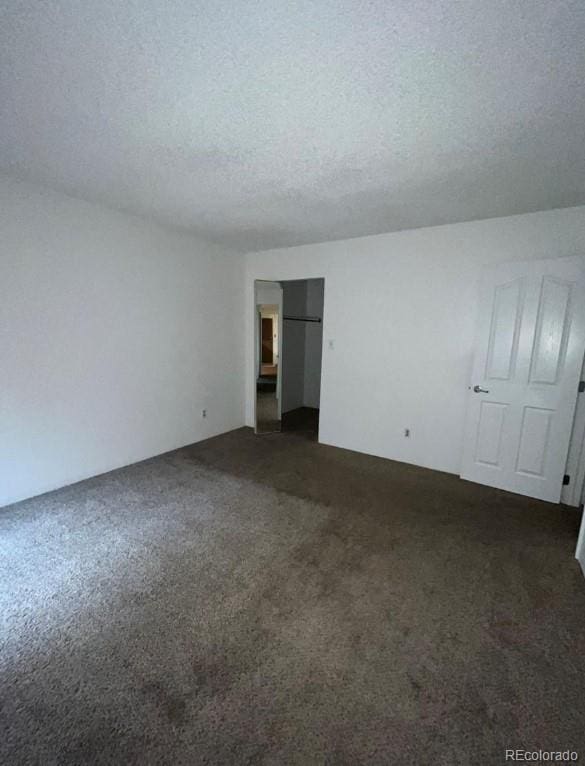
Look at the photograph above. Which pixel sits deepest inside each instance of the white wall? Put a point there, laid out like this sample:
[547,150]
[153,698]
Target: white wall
[572,493]
[580,550]
[114,334]
[313,344]
[268,293]
[401,310]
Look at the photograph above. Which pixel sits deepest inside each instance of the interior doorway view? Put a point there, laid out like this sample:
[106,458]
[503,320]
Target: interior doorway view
[289,344]
[267,397]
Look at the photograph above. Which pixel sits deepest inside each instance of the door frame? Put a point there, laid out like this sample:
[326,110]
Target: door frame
[280,370]
[257,343]
[580,549]
[573,493]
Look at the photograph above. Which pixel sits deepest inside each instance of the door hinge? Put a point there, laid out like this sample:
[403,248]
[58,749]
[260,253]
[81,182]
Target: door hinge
[566,479]
[581,386]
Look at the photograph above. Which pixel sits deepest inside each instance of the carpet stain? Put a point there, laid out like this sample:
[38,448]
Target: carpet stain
[174,707]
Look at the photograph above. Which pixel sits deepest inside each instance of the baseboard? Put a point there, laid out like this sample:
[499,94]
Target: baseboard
[102,470]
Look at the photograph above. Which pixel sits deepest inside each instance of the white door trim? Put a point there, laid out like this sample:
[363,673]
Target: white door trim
[580,549]
[571,494]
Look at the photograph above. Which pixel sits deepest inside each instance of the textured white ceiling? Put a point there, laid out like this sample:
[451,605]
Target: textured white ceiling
[262,124]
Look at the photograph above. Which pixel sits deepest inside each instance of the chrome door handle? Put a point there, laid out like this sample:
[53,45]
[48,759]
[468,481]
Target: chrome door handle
[480,390]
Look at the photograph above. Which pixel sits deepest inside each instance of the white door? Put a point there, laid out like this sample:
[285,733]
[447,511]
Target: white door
[528,355]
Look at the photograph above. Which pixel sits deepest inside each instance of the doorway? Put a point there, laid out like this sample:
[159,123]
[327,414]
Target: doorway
[266,340]
[267,400]
[268,334]
[288,369]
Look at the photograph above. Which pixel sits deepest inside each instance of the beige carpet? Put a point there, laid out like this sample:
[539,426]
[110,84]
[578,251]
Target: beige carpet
[270,600]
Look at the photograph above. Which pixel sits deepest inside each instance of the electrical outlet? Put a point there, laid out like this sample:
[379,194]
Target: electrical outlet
[203,413]
[407,433]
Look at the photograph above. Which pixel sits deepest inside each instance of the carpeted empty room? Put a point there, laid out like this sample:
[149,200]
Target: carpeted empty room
[292,382]
[347,609]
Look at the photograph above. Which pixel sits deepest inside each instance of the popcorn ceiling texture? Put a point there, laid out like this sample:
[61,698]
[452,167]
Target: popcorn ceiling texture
[266,124]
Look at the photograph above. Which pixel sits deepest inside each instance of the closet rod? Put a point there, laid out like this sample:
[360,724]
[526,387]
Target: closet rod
[303,319]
